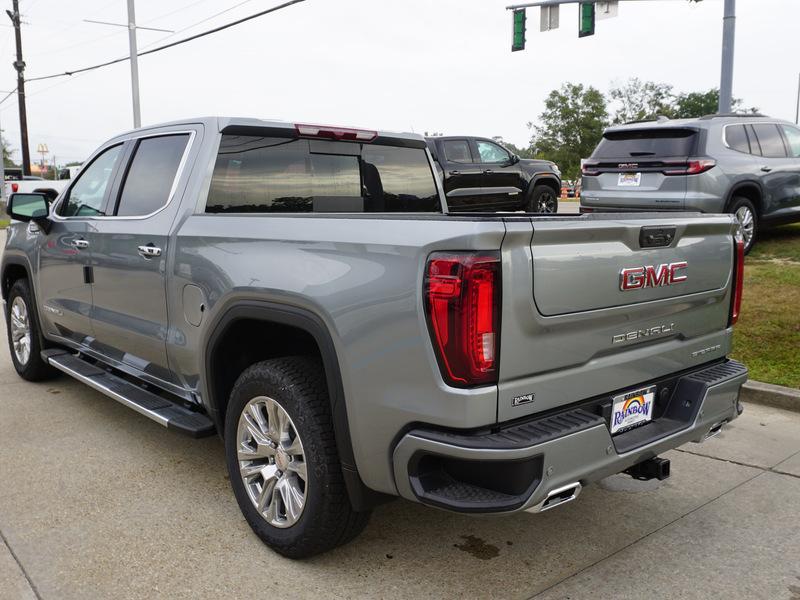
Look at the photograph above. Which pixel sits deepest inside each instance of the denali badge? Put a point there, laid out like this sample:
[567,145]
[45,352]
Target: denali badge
[643,333]
[637,278]
[520,400]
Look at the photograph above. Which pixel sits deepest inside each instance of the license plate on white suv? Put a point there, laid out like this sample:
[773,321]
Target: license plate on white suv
[632,408]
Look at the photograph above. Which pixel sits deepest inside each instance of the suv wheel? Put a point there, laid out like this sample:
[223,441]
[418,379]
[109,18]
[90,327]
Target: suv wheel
[543,200]
[747,216]
[23,334]
[282,459]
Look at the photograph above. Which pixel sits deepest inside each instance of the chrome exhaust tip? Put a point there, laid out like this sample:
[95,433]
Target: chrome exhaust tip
[714,430]
[558,497]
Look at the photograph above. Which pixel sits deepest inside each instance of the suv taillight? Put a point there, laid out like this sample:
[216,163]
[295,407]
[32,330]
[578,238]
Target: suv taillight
[738,278]
[589,168]
[690,167]
[462,303]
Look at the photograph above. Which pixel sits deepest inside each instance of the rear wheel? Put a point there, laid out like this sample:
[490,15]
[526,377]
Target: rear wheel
[745,212]
[282,459]
[23,334]
[543,200]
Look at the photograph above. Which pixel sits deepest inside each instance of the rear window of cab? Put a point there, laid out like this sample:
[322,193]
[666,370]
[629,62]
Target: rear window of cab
[255,174]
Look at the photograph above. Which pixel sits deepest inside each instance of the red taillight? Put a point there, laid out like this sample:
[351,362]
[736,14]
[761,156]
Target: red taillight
[690,167]
[15,187]
[335,133]
[589,168]
[462,301]
[738,281]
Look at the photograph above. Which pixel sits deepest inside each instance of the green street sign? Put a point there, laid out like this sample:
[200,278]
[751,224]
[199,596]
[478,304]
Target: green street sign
[586,23]
[518,42]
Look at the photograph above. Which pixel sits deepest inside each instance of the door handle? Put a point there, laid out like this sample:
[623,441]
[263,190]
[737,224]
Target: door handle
[80,244]
[766,169]
[149,251]
[455,172]
[488,172]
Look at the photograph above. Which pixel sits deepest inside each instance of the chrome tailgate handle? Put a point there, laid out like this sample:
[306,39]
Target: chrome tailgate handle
[80,244]
[149,251]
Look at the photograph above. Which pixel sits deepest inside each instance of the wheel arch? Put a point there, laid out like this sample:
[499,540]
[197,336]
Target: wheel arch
[751,190]
[309,328]
[545,179]
[14,268]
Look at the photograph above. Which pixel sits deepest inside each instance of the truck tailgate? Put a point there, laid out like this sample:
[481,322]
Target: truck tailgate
[587,310]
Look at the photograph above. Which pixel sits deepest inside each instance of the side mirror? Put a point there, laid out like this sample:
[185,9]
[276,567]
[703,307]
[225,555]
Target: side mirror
[29,207]
[514,159]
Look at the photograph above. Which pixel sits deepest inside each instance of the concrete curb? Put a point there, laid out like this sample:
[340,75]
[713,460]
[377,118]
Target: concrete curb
[771,395]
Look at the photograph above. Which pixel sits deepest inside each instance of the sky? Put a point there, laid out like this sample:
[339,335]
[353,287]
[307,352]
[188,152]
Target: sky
[401,65]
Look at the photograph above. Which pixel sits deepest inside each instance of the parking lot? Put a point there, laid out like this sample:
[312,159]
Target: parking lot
[99,502]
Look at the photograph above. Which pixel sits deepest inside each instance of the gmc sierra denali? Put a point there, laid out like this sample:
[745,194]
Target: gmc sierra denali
[303,292]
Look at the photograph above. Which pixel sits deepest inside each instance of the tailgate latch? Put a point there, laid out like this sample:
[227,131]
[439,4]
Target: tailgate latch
[656,237]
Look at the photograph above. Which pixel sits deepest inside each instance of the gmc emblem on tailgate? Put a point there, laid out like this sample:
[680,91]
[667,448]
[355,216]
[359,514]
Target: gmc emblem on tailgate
[637,278]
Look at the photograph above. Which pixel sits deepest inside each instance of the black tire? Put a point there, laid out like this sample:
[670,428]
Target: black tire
[34,368]
[738,204]
[327,520]
[542,199]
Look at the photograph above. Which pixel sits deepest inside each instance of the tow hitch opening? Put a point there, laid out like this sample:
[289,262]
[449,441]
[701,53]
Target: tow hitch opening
[652,468]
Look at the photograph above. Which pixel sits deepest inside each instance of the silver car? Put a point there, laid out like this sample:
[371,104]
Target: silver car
[747,165]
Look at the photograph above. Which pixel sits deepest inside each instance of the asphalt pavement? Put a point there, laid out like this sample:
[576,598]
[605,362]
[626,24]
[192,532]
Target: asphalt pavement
[97,501]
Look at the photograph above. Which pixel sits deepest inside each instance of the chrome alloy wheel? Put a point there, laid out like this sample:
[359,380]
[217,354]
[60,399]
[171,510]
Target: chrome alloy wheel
[747,221]
[271,462]
[20,331]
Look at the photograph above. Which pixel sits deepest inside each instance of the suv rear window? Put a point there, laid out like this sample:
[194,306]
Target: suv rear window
[274,175]
[646,143]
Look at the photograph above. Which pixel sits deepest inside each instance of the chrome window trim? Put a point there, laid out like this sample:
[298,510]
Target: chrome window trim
[181,165]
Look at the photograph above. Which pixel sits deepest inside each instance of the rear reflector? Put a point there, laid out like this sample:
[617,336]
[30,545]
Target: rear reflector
[462,302]
[738,278]
[335,133]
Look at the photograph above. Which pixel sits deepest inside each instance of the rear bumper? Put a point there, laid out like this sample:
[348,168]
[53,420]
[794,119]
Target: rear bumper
[518,466]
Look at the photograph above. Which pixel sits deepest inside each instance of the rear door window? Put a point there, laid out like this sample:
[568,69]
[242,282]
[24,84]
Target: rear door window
[770,140]
[457,151]
[280,175]
[736,138]
[151,174]
[646,143]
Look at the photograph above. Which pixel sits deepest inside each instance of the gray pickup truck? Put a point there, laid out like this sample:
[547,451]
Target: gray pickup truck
[303,292]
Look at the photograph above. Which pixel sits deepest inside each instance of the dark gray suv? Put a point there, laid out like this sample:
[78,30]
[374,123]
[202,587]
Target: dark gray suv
[747,165]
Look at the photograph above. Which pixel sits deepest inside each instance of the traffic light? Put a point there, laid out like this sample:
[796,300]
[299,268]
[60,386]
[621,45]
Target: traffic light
[518,42]
[586,23]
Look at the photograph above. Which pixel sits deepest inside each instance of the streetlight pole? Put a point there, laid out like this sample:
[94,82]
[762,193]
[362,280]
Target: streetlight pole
[134,56]
[726,77]
[137,116]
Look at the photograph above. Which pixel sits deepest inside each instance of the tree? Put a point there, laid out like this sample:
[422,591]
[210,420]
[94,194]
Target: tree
[638,100]
[570,126]
[521,152]
[697,104]
[7,152]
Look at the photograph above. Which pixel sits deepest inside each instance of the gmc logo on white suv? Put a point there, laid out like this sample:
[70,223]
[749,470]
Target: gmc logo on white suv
[637,278]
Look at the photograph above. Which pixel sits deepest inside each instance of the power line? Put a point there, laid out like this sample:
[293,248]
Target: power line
[171,44]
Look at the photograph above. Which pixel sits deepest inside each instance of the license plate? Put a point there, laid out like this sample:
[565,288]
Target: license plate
[632,408]
[629,179]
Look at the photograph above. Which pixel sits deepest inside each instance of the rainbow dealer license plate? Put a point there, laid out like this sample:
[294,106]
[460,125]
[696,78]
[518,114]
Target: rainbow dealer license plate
[632,408]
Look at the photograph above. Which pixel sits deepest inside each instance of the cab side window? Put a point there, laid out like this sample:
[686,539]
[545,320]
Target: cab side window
[457,151]
[492,153]
[86,196]
[151,174]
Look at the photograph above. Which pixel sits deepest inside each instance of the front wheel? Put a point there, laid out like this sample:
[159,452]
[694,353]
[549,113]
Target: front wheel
[282,459]
[543,200]
[22,327]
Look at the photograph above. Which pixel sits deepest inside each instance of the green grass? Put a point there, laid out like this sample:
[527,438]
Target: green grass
[767,337]
[4,223]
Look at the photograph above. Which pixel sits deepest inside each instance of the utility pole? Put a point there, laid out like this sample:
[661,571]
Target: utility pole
[134,56]
[137,116]
[726,78]
[797,113]
[19,65]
